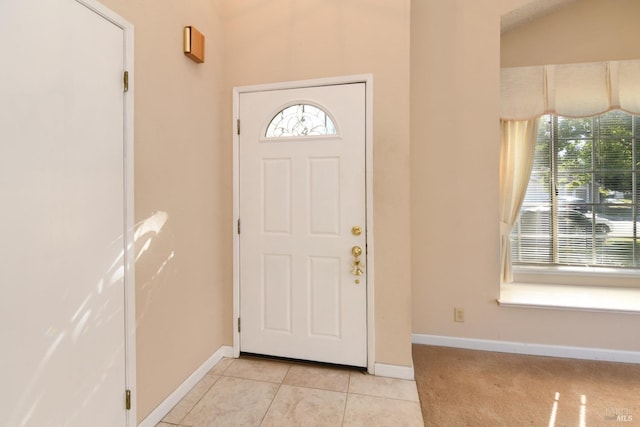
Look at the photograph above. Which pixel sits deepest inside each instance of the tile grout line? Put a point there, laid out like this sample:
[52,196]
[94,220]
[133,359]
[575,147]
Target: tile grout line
[201,397]
[346,399]
[386,397]
[275,394]
[203,394]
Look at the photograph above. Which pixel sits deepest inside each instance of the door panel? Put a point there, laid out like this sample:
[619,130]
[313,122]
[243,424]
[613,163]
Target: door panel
[324,281]
[324,196]
[276,196]
[62,221]
[299,197]
[276,301]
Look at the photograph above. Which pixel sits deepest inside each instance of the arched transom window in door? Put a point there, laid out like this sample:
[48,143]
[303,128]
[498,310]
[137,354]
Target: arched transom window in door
[300,120]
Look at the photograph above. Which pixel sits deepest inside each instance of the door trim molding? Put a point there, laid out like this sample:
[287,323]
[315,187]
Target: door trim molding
[367,79]
[129,217]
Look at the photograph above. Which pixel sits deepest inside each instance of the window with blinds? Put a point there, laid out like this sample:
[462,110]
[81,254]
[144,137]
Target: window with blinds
[582,204]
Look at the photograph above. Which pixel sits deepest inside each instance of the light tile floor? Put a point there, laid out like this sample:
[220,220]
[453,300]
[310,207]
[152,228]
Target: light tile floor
[260,392]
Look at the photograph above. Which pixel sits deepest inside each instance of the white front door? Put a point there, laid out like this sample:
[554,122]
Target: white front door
[302,196]
[62,222]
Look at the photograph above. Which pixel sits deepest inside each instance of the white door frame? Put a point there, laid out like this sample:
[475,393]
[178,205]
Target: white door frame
[129,218]
[367,79]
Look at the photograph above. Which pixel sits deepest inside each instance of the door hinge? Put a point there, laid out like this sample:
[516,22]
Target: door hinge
[238,126]
[238,325]
[238,228]
[127,399]
[125,80]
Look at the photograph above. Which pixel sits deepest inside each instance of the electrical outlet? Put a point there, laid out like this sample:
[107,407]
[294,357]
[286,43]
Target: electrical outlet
[458,314]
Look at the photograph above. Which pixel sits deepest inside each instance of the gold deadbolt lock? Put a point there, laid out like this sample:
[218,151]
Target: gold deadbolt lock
[356,231]
[358,267]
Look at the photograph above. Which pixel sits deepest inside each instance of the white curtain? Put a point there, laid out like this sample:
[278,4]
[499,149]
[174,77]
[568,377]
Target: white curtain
[516,160]
[572,90]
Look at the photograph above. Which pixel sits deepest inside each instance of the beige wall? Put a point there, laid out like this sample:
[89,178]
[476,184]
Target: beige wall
[584,31]
[184,169]
[455,54]
[178,163]
[281,40]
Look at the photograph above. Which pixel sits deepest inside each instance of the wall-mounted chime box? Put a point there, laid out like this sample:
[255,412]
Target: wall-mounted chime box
[194,44]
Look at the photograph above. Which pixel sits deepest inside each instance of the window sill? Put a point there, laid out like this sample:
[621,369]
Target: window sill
[567,297]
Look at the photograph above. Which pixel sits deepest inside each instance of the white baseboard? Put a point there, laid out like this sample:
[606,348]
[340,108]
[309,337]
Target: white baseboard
[394,371]
[172,400]
[530,349]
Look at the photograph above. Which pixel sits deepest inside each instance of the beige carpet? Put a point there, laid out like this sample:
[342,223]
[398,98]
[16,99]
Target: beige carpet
[460,387]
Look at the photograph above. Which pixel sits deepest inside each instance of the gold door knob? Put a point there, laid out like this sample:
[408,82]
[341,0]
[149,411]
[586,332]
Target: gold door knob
[356,231]
[356,251]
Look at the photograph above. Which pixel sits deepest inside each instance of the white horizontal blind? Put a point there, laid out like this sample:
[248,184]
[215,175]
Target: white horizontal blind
[582,203]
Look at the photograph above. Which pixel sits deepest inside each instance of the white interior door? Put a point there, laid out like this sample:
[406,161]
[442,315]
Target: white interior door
[63,216]
[301,192]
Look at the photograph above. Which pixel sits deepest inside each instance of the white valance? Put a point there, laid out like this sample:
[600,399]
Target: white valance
[573,90]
